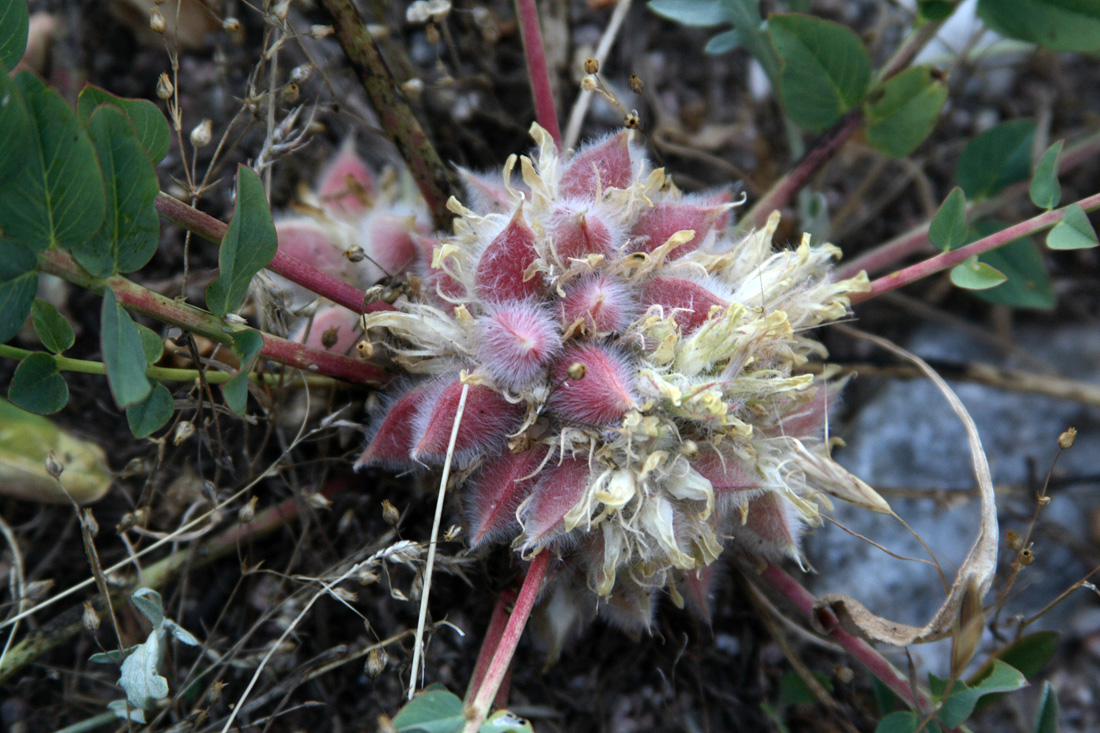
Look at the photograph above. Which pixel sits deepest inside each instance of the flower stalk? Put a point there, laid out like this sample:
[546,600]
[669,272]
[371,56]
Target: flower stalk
[537,69]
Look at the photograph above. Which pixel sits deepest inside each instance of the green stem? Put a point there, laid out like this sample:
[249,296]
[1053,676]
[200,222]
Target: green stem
[946,260]
[138,299]
[161,374]
[435,180]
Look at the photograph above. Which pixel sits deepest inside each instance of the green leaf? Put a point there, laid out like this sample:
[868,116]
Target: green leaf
[1046,717]
[936,10]
[793,690]
[1045,191]
[18,284]
[151,126]
[248,246]
[976,275]
[825,69]
[246,345]
[1073,232]
[1060,25]
[1028,285]
[432,711]
[1029,654]
[906,113]
[996,158]
[151,344]
[948,228]
[57,198]
[152,413]
[899,722]
[123,356]
[958,706]
[37,386]
[693,13]
[724,42]
[16,136]
[53,329]
[131,230]
[14,22]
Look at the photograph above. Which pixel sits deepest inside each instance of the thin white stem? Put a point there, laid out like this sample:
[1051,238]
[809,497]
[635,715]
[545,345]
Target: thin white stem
[580,108]
[418,644]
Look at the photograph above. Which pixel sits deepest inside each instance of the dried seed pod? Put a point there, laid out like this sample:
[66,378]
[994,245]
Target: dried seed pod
[591,65]
[165,88]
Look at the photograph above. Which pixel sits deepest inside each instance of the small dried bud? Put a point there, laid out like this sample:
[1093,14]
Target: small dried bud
[200,136]
[39,589]
[689,449]
[366,577]
[1067,439]
[1013,540]
[631,121]
[844,675]
[320,31]
[376,662]
[355,253]
[591,65]
[589,84]
[1044,500]
[576,371]
[413,88]
[345,595]
[365,349]
[215,693]
[53,466]
[300,73]
[231,25]
[318,501]
[1026,556]
[184,430]
[329,337]
[89,522]
[280,10]
[398,595]
[453,533]
[389,512]
[636,84]
[389,295]
[291,92]
[90,618]
[156,21]
[165,88]
[431,34]
[248,511]
[234,320]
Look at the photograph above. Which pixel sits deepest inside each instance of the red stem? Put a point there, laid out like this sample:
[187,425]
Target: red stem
[289,267]
[783,191]
[134,297]
[954,257]
[537,69]
[491,642]
[802,599]
[916,239]
[477,711]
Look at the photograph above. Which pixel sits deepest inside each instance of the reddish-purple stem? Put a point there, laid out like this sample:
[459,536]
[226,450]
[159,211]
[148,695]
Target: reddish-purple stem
[803,600]
[916,239]
[134,297]
[784,190]
[537,70]
[954,257]
[492,640]
[289,267]
[477,711]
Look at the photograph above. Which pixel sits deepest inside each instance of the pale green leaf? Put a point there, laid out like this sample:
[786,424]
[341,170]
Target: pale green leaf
[248,245]
[976,275]
[151,126]
[53,329]
[14,21]
[959,704]
[56,198]
[152,413]
[131,230]
[1045,190]
[1046,716]
[434,710]
[899,722]
[694,13]
[996,158]
[1073,232]
[723,43]
[825,68]
[123,355]
[948,228]
[246,345]
[18,284]
[151,344]
[906,112]
[1061,25]
[37,386]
